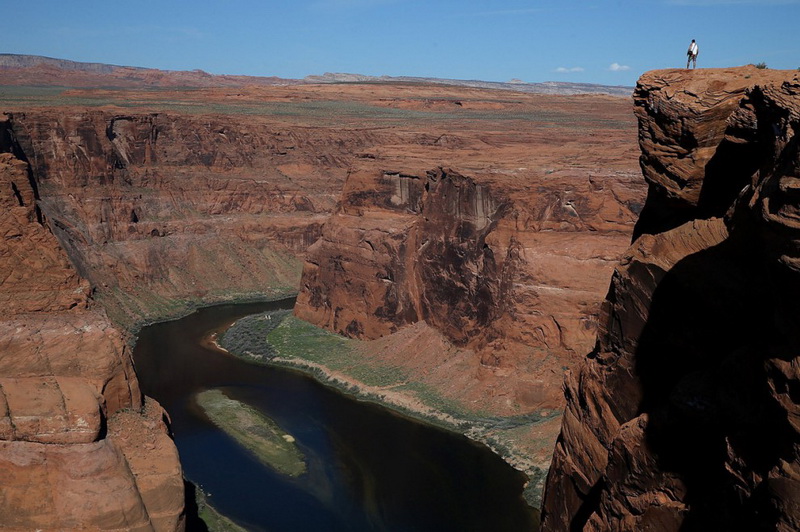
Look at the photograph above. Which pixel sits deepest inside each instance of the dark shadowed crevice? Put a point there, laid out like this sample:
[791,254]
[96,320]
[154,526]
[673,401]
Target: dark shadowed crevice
[17,194]
[727,173]
[193,521]
[9,144]
[588,507]
[700,362]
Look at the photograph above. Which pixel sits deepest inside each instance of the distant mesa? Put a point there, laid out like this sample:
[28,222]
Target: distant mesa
[19,70]
[548,87]
[30,61]
[36,70]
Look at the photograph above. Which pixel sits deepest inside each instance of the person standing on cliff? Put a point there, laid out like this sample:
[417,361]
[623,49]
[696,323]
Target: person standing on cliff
[691,54]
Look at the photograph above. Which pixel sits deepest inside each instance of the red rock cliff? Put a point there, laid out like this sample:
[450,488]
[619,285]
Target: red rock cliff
[685,415]
[154,209]
[65,379]
[509,260]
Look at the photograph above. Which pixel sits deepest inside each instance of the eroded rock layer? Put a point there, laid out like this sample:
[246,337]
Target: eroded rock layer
[65,379]
[154,209]
[685,415]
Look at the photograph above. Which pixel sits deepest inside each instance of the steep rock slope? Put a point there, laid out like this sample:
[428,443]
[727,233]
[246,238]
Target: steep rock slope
[685,415]
[65,378]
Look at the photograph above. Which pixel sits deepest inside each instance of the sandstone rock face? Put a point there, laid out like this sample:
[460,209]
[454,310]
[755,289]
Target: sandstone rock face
[684,415]
[439,244]
[65,374]
[510,262]
[155,208]
[36,273]
[697,142]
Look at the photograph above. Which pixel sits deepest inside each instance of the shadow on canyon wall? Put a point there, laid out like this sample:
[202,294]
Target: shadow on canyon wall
[702,363]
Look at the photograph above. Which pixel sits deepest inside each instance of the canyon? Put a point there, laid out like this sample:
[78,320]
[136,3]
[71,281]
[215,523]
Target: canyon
[464,235]
[134,205]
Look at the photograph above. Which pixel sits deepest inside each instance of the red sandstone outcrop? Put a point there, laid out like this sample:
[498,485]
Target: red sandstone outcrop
[508,262]
[697,143]
[37,276]
[685,414]
[65,376]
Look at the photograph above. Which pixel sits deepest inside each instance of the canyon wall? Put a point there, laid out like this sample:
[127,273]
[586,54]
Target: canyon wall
[155,209]
[685,415]
[129,216]
[72,418]
[509,262]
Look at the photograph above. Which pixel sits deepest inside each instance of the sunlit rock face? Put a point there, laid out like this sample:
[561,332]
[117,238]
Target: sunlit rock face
[154,208]
[433,262]
[512,274]
[685,415]
[69,399]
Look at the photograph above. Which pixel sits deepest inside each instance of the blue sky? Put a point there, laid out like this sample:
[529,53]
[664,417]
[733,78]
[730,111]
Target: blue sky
[609,42]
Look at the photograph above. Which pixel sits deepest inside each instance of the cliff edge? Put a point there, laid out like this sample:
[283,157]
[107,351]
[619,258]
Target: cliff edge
[686,414]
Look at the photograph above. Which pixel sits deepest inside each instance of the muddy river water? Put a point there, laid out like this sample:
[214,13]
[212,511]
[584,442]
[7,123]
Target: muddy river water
[368,468]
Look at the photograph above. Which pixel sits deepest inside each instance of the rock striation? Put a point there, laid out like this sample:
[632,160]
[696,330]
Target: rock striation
[685,415]
[66,383]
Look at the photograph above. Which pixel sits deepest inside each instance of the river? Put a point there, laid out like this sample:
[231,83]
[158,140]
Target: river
[369,469]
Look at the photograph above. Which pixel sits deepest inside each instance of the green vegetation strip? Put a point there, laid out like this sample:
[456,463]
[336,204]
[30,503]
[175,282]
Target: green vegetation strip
[254,431]
[280,338]
[247,337]
[297,339]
